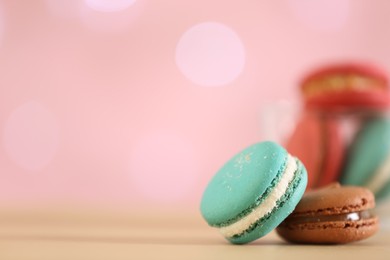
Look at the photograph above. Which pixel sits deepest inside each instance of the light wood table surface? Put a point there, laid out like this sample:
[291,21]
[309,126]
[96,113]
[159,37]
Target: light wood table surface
[88,234]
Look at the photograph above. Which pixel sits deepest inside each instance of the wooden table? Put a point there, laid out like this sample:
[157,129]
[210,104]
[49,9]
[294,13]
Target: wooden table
[57,234]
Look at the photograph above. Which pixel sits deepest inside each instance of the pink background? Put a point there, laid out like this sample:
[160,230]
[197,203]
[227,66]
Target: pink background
[136,103]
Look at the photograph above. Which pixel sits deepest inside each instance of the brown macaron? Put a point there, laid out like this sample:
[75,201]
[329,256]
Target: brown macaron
[331,215]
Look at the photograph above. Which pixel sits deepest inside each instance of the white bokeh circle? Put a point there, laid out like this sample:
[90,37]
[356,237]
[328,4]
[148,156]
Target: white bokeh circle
[31,136]
[210,54]
[163,167]
[109,5]
[323,15]
[107,16]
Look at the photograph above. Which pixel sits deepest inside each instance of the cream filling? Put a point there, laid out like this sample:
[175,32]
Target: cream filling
[381,177]
[352,216]
[342,82]
[266,206]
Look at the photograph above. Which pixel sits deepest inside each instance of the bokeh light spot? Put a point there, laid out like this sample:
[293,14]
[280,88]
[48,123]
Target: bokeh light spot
[31,136]
[109,16]
[210,54]
[109,5]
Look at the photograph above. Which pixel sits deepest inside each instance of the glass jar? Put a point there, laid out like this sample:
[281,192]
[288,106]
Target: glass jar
[351,146]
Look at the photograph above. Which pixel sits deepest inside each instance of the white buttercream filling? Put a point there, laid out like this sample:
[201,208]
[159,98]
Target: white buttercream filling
[380,177]
[267,205]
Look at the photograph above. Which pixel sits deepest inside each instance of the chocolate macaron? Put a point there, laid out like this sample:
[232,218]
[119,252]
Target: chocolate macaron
[331,215]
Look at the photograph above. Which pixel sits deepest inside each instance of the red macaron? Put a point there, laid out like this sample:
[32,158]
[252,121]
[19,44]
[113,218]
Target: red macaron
[317,142]
[347,85]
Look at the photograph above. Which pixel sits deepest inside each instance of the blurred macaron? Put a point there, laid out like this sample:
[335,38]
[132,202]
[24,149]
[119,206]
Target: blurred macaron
[318,143]
[346,85]
[368,159]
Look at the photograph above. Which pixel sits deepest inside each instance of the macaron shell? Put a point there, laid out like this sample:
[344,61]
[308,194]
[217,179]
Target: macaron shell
[368,151]
[241,181]
[279,214]
[334,152]
[362,68]
[311,152]
[334,199]
[317,142]
[347,100]
[329,232]
[383,193]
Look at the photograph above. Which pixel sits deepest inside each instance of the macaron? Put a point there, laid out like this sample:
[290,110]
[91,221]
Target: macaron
[311,153]
[345,86]
[368,161]
[317,142]
[334,151]
[331,215]
[253,192]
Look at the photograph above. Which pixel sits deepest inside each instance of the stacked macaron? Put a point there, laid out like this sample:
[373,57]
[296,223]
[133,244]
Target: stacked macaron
[344,132]
[262,188]
[343,135]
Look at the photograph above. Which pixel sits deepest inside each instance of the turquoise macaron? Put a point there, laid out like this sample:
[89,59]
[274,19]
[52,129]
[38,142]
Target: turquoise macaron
[253,192]
[368,161]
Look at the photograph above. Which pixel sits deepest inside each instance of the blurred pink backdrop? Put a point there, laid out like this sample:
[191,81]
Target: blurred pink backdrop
[136,103]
